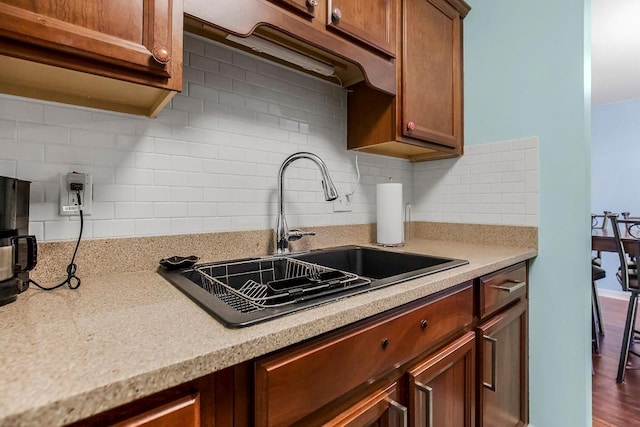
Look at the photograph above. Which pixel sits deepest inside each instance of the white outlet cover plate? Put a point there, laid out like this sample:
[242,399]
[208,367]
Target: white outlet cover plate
[68,205]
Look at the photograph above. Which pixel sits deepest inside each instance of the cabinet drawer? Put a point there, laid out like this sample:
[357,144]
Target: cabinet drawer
[499,289]
[181,412]
[324,369]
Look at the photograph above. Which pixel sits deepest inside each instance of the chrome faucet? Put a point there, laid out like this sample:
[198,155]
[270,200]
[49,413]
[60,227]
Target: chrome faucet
[283,234]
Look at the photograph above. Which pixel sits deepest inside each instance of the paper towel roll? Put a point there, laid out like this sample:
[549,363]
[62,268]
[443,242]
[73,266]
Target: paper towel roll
[390,224]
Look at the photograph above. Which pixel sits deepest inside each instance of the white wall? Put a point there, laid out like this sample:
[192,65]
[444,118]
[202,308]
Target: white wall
[207,163]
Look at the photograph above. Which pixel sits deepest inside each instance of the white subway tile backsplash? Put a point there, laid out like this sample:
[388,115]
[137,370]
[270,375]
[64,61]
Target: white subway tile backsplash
[91,138]
[200,62]
[214,80]
[133,210]
[186,225]
[8,129]
[114,159]
[102,210]
[37,229]
[199,91]
[55,153]
[202,180]
[191,75]
[184,103]
[36,171]
[113,193]
[66,230]
[43,212]
[151,227]
[231,99]
[219,52]
[133,143]
[170,178]
[202,209]
[152,161]
[172,117]
[152,194]
[21,150]
[114,228]
[186,194]
[497,185]
[43,133]
[12,108]
[114,123]
[8,168]
[169,210]
[134,176]
[171,146]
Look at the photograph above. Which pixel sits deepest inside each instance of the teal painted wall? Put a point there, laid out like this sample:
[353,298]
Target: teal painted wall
[525,76]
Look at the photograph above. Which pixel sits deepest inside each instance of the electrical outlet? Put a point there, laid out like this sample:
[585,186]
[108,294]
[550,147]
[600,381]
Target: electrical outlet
[341,204]
[70,185]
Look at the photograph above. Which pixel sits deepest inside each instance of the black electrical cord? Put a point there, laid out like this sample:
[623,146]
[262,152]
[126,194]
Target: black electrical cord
[72,280]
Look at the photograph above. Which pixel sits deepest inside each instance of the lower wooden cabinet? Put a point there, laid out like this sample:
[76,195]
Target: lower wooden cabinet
[503,369]
[442,386]
[192,404]
[380,408]
[184,412]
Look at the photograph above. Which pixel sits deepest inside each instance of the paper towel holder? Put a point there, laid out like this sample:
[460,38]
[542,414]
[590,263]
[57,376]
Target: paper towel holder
[405,233]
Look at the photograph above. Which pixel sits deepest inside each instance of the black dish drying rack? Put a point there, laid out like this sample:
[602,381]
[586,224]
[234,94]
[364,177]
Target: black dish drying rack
[256,284]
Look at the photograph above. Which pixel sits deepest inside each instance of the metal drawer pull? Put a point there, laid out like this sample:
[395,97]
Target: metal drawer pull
[515,286]
[494,353]
[428,401]
[399,410]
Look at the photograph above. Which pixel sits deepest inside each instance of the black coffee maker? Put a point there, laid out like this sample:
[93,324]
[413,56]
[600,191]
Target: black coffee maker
[18,251]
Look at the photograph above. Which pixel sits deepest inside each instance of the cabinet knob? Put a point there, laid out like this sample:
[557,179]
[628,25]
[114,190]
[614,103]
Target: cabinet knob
[384,343]
[336,14]
[161,55]
[312,3]
[411,125]
[424,324]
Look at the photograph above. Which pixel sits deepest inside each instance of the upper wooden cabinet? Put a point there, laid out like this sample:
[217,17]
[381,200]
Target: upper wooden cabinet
[359,46]
[305,7]
[424,121]
[372,22]
[120,55]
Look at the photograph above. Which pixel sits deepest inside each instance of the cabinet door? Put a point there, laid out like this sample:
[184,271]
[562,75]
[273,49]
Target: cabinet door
[442,387]
[305,7]
[432,72]
[133,40]
[182,412]
[503,370]
[380,408]
[369,21]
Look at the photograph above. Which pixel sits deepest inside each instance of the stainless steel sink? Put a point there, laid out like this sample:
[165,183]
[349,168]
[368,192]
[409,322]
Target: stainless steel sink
[248,291]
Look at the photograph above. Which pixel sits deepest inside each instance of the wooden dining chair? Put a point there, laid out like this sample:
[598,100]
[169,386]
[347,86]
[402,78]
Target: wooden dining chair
[628,277]
[597,323]
[600,222]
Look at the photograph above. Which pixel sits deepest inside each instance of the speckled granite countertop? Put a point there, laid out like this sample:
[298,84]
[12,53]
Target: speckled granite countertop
[67,355]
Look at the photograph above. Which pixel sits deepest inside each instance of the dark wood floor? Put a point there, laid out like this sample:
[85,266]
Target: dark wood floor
[614,404]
